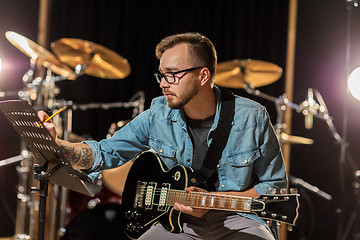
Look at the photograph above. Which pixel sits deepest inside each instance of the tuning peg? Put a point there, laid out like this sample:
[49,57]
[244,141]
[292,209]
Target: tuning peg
[272,190]
[290,228]
[283,191]
[293,190]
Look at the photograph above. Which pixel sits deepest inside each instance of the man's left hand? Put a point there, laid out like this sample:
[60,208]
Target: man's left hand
[196,212]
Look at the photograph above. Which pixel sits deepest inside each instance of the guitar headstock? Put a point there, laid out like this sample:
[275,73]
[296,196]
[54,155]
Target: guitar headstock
[278,207]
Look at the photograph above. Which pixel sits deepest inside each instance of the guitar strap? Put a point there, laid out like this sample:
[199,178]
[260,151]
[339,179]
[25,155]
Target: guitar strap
[218,143]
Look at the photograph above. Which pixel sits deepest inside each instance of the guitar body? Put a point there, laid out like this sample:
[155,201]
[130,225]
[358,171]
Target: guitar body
[140,214]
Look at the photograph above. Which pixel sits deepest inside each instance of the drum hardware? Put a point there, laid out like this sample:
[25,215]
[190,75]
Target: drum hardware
[137,102]
[25,200]
[105,106]
[299,182]
[91,58]
[24,216]
[24,154]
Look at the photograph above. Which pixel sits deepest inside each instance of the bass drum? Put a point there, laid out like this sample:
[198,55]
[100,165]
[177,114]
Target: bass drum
[94,218]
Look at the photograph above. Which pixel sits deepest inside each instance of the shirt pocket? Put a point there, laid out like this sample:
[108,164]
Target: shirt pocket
[166,151]
[241,167]
[243,159]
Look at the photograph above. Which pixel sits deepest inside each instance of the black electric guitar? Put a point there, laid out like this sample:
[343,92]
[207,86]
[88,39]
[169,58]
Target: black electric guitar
[151,191]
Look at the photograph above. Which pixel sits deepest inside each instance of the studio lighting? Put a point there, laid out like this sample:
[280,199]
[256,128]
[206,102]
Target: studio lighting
[354,83]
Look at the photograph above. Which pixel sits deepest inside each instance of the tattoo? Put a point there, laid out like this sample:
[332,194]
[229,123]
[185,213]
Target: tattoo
[87,156]
[81,157]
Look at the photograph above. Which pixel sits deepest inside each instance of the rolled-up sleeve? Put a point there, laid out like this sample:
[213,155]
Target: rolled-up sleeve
[120,148]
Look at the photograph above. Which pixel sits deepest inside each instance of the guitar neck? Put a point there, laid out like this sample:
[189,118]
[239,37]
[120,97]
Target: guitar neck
[209,201]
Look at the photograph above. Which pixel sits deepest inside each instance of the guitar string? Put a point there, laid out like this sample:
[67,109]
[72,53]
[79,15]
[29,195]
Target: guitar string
[176,195]
[182,192]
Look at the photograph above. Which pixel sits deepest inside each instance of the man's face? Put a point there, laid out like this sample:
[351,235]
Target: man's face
[186,85]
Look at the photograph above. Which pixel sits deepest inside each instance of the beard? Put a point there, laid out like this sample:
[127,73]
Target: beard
[178,102]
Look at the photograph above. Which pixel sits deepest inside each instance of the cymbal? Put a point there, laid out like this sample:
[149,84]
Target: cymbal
[285,138]
[99,61]
[39,54]
[236,73]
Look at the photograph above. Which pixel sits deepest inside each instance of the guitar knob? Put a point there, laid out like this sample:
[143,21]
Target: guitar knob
[138,228]
[283,191]
[134,228]
[129,227]
[128,215]
[136,215]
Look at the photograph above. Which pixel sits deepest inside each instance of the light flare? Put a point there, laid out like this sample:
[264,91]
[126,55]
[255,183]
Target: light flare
[354,83]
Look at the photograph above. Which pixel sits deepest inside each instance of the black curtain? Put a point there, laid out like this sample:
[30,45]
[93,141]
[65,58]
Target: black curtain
[238,29]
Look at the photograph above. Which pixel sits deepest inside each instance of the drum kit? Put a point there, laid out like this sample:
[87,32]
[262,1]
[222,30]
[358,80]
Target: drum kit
[72,58]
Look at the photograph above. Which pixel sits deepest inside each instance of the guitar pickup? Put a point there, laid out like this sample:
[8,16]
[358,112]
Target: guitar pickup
[163,196]
[149,195]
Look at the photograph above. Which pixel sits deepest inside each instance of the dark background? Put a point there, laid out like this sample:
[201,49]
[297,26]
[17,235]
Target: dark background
[239,30]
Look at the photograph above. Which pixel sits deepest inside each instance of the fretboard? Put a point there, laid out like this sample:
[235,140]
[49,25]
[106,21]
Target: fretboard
[209,201]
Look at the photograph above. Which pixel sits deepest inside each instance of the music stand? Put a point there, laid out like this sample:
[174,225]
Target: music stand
[52,164]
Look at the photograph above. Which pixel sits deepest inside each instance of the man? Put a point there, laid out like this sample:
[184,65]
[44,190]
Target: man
[180,126]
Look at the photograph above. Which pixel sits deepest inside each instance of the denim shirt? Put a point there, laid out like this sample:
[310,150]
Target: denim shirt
[251,158]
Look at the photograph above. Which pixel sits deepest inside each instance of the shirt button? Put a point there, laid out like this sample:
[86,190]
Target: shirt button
[161,151]
[188,160]
[223,186]
[218,166]
[246,161]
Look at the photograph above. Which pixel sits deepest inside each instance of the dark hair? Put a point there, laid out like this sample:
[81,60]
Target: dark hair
[199,46]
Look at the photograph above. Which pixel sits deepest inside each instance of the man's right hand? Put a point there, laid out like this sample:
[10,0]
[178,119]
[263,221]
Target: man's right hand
[48,125]
[80,154]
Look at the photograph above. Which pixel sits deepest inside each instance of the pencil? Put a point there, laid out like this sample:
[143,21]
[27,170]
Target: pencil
[49,118]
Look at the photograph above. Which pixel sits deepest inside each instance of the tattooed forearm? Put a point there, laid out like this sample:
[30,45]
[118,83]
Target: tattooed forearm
[80,155]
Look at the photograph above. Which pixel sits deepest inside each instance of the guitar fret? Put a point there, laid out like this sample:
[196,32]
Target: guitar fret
[222,202]
[192,200]
[212,201]
[233,203]
[203,201]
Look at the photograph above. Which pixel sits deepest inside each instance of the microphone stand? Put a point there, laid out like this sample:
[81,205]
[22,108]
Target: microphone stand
[281,103]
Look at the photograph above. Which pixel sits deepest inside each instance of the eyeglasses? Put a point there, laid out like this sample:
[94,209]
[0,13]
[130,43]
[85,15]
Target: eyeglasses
[170,77]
